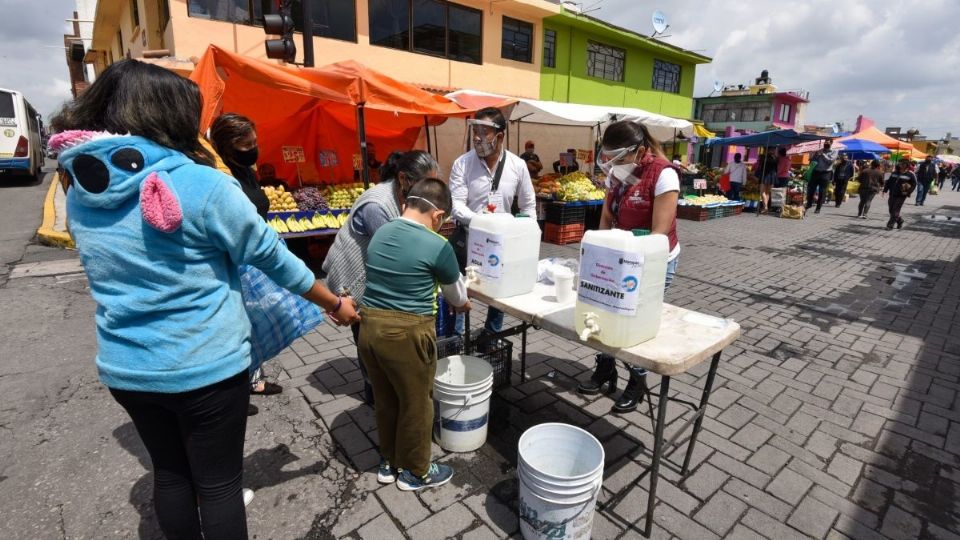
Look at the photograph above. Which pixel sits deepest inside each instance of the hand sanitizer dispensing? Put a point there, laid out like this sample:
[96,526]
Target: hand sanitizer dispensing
[504,251]
[620,293]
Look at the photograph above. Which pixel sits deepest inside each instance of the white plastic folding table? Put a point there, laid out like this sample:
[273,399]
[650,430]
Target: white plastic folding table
[685,339]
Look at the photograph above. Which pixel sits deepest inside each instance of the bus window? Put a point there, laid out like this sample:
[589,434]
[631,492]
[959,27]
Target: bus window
[8,115]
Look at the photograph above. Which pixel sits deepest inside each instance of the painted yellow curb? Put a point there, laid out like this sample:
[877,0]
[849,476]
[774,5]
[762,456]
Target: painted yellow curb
[46,233]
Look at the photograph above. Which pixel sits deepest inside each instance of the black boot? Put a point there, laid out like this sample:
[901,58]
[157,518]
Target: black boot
[606,372]
[634,392]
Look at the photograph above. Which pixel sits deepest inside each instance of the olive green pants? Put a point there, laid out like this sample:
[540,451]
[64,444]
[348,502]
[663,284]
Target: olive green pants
[399,351]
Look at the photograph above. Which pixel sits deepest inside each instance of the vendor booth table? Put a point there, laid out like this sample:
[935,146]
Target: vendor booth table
[686,339]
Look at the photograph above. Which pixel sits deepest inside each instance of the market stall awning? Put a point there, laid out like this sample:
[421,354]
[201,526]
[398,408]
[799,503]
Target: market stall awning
[777,137]
[574,114]
[852,145]
[702,132]
[301,113]
[949,158]
[873,134]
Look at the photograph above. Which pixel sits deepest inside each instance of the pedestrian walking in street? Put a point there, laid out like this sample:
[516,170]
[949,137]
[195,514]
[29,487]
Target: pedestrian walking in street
[871,183]
[842,174]
[738,176]
[489,178]
[346,262]
[823,161]
[161,234]
[926,176]
[955,177]
[406,261]
[943,171]
[643,193]
[900,186]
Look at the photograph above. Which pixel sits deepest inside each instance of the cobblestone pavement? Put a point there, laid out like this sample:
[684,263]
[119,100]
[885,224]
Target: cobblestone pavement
[835,415]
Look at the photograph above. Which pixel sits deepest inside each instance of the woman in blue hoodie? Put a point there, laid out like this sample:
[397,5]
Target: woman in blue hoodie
[160,234]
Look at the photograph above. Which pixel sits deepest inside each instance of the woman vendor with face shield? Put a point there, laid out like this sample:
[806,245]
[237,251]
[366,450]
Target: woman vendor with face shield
[642,192]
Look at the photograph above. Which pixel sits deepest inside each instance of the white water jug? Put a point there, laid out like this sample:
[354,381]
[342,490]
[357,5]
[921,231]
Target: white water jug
[620,288]
[504,250]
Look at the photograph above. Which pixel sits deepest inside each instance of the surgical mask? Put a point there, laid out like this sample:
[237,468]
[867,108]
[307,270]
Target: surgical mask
[624,173]
[485,148]
[480,129]
[247,158]
[442,221]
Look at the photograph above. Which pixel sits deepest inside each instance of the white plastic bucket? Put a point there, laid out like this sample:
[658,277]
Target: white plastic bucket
[560,469]
[461,392]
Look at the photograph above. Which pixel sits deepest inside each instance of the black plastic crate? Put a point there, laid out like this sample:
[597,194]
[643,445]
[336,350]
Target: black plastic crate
[564,214]
[498,353]
[449,346]
[591,219]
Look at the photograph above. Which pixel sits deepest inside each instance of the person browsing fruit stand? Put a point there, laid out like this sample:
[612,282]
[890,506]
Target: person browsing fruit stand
[234,138]
[487,179]
[345,264]
[642,192]
[406,261]
[161,235]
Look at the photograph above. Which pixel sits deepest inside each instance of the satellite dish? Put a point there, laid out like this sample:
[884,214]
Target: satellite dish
[659,21]
[717,85]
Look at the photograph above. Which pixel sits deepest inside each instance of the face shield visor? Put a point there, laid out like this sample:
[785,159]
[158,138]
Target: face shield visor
[611,158]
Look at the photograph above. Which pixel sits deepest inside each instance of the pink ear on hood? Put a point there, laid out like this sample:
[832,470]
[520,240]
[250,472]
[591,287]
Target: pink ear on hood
[159,206]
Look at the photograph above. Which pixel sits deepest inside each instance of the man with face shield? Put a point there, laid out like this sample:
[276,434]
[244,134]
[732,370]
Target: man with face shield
[487,179]
[345,264]
[642,192]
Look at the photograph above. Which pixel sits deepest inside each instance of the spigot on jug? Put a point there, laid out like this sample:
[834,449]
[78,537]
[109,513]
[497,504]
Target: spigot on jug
[472,275]
[591,325]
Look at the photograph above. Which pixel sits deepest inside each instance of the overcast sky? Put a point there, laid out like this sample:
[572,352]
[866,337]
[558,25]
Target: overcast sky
[32,58]
[896,61]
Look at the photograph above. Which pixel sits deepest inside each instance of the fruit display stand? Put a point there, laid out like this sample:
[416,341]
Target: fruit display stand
[707,207]
[304,223]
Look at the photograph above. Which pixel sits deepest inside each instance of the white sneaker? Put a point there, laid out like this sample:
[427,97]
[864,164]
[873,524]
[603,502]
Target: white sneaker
[247,496]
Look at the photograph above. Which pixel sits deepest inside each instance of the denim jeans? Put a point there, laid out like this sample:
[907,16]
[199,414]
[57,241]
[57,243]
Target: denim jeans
[735,188]
[493,323]
[922,190]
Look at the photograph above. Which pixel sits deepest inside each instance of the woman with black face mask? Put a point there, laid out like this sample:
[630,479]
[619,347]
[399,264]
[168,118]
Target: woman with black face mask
[235,139]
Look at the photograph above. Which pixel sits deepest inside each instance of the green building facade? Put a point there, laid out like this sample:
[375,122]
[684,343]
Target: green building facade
[592,62]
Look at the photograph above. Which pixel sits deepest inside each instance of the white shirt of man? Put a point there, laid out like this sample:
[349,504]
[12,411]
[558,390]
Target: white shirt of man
[471,182]
[738,172]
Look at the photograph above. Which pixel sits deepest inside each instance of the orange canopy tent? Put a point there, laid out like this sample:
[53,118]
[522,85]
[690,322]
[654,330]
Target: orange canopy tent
[875,135]
[313,114]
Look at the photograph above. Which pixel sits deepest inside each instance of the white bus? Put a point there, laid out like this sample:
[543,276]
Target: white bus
[21,128]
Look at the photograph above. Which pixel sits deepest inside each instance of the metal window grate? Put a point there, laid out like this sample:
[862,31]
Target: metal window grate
[517,41]
[605,62]
[550,48]
[666,76]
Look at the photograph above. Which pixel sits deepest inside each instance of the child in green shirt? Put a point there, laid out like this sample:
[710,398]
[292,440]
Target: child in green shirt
[407,261]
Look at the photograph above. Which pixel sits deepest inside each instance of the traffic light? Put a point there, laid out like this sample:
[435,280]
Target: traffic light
[280,25]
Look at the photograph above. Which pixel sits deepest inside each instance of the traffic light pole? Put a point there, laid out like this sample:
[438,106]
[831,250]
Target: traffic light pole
[307,34]
[362,131]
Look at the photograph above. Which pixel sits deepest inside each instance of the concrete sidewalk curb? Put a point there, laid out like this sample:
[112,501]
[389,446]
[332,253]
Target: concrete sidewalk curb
[47,233]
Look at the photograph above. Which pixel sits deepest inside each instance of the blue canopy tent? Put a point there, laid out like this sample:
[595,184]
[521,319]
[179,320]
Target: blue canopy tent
[766,139]
[777,137]
[862,149]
